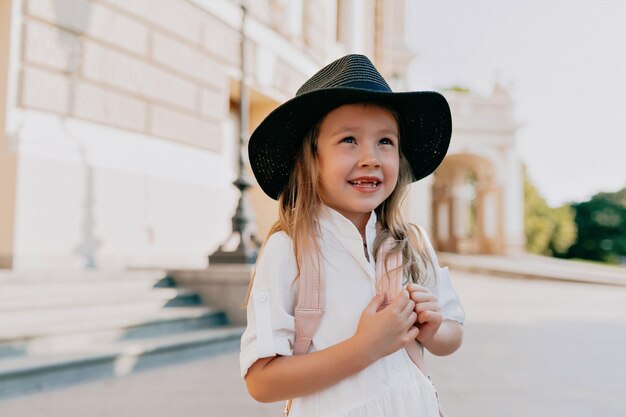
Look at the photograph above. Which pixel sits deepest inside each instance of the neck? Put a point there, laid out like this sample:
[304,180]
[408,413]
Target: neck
[360,222]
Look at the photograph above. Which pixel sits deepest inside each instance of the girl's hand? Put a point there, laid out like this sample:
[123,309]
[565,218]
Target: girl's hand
[429,315]
[383,332]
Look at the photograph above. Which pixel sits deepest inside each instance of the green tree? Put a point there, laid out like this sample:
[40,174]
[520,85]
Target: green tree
[601,228]
[549,231]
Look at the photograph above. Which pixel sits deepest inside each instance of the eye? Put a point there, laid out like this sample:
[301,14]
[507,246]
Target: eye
[348,139]
[386,141]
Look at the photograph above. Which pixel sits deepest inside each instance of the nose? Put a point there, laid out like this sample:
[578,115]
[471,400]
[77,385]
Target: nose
[369,157]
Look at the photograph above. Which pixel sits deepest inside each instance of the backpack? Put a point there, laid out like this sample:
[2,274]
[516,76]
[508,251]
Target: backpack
[309,309]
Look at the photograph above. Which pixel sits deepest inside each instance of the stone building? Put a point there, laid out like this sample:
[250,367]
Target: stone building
[119,118]
[476,194]
[119,127]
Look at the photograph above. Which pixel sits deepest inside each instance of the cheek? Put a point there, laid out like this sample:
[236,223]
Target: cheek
[324,173]
[392,167]
[334,164]
[394,180]
[329,177]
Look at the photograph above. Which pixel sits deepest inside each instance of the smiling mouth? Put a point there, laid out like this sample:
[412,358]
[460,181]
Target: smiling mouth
[370,184]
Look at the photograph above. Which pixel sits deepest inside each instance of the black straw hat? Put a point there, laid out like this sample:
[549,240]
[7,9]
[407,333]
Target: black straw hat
[425,117]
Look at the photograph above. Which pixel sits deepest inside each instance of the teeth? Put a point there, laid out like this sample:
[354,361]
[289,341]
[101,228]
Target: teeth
[368,184]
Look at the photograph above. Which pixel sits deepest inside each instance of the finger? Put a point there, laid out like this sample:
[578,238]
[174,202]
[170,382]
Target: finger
[375,303]
[429,316]
[423,317]
[413,332]
[408,308]
[429,306]
[416,287]
[410,287]
[411,319]
[401,300]
[421,297]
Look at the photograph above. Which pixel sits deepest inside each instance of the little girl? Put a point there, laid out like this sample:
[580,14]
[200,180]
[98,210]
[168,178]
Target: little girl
[338,158]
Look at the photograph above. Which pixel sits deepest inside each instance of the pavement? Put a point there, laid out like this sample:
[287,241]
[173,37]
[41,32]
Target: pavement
[202,388]
[532,347]
[530,266]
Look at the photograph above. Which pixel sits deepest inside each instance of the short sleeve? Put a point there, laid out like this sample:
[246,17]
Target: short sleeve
[270,329]
[447,297]
[442,288]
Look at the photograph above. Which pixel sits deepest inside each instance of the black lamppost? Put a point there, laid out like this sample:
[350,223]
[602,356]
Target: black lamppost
[248,246]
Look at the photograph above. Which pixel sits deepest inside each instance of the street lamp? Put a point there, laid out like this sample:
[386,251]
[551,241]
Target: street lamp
[247,249]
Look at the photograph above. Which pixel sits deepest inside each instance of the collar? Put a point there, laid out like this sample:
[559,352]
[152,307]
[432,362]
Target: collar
[339,226]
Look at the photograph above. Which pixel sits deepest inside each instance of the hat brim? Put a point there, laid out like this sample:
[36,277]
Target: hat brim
[425,131]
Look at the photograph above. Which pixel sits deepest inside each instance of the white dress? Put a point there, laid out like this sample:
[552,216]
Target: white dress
[392,386]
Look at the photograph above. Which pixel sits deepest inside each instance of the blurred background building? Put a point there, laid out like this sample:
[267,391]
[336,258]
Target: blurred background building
[119,120]
[119,140]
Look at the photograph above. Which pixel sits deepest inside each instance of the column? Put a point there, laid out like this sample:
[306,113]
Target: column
[514,238]
[8,157]
[417,205]
[355,23]
[459,225]
[490,216]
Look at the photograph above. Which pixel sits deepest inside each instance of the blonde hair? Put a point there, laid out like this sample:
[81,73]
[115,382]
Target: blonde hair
[299,203]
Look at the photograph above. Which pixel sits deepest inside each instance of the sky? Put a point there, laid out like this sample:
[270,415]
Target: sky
[564,62]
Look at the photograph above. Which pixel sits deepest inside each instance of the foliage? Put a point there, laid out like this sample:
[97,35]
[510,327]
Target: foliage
[549,231]
[458,88]
[601,228]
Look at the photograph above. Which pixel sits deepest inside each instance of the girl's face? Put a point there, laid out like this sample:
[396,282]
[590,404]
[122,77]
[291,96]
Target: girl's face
[358,158]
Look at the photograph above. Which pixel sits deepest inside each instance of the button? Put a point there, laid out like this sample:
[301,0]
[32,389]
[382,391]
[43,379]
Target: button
[262,298]
[397,366]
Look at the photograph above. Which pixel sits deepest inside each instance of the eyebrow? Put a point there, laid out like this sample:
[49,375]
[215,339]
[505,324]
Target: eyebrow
[389,131]
[357,128]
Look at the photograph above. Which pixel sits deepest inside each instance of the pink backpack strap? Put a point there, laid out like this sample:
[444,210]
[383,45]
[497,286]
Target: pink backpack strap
[389,282]
[388,273]
[310,307]
[309,311]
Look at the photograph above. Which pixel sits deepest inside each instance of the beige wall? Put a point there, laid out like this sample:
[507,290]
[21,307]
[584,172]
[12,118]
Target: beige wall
[265,209]
[130,65]
[8,160]
[124,124]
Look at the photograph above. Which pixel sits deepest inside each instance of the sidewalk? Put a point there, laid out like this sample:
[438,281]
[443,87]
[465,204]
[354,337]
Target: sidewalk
[531,348]
[536,267]
[202,388]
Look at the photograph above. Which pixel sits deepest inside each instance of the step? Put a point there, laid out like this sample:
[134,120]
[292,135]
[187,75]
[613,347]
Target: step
[225,274]
[23,288]
[12,300]
[47,276]
[126,311]
[20,324]
[31,374]
[34,290]
[83,335]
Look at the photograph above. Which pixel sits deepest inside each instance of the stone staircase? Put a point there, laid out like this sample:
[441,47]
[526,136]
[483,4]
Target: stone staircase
[60,328]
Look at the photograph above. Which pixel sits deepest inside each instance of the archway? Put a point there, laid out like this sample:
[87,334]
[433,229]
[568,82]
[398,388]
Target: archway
[467,206]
